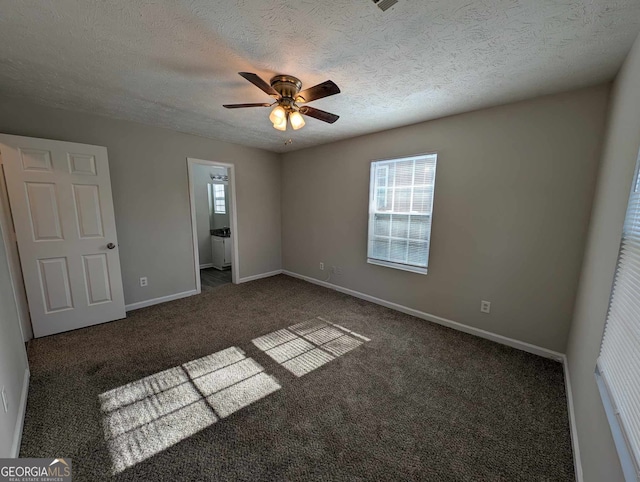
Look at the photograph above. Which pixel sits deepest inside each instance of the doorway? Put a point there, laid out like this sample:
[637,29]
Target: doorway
[214,223]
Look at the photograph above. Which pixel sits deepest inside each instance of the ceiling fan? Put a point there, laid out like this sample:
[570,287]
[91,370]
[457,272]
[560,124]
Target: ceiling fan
[285,89]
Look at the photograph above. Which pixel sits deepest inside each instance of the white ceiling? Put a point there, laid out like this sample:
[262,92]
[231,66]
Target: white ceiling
[174,63]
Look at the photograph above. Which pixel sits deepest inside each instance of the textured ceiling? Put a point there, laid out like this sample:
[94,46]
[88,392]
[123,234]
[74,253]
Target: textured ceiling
[174,63]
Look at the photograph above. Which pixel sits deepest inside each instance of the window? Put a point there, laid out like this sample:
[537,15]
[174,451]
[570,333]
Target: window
[400,206]
[618,371]
[219,204]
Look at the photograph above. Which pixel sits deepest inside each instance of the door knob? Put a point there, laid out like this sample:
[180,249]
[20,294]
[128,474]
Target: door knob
[111,245]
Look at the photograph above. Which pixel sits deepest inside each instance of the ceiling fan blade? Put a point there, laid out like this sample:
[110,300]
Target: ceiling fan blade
[319,91]
[261,84]
[319,114]
[240,106]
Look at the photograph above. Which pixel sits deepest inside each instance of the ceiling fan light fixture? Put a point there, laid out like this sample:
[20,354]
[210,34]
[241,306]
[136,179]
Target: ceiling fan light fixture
[278,115]
[296,119]
[281,125]
[285,89]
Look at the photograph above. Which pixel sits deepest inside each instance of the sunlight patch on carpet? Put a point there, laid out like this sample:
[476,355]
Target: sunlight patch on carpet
[154,413]
[306,346]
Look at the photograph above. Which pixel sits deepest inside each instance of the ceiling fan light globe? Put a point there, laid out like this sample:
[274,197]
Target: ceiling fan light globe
[281,126]
[278,114]
[297,121]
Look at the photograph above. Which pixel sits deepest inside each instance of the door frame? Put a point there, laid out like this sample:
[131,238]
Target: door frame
[235,265]
[13,259]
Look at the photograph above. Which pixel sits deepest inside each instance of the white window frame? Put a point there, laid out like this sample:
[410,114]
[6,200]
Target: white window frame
[619,313]
[373,211]
[217,197]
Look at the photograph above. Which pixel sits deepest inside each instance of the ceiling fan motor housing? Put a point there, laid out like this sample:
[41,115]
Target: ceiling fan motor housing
[286,85]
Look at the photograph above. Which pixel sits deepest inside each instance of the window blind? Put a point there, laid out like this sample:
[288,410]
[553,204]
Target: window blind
[619,361]
[400,209]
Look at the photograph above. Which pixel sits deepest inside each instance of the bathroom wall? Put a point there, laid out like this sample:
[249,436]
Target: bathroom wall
[201,181]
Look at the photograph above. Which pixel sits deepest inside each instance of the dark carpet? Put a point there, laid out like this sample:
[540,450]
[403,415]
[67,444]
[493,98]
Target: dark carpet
[416,402]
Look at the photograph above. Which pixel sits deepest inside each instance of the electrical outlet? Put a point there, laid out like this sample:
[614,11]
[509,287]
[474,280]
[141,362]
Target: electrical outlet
[5,403]
[144,281]
[322,266]
[485,306]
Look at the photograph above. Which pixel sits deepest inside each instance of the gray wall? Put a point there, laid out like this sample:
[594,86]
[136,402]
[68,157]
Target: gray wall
[513,193]
[13,359]
[599,458]
[150,193]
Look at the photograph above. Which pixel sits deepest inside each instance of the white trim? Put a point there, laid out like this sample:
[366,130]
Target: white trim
[260,276]
[22,410]
[206,265]
[403,267]
[13,260]
[162,299]
[628,461]
[520,345]
[573,426]
[235,265]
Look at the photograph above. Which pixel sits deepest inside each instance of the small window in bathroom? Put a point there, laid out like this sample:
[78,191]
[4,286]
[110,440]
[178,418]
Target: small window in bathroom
[219,205]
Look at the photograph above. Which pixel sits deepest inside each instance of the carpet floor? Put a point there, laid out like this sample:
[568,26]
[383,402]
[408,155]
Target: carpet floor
[279,379]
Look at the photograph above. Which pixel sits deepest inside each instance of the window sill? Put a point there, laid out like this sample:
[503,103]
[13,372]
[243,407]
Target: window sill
[627,461]
[403,267]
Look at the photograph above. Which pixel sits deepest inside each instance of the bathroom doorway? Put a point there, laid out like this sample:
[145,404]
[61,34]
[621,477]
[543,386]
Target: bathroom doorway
[214,221]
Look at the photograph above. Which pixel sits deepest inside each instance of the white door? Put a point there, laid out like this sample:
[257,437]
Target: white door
[60,196]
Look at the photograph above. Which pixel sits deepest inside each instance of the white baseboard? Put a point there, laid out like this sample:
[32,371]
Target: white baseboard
[206,265]
[22,410]
[520,345]
[577,461]
[185,294]
[162,299]
[260,276]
